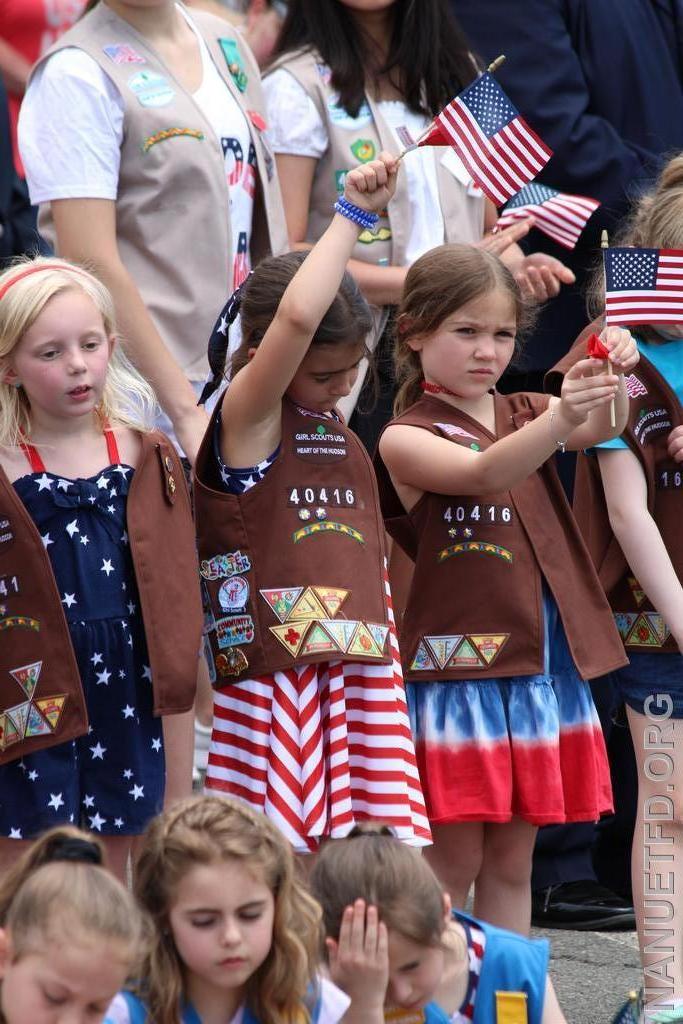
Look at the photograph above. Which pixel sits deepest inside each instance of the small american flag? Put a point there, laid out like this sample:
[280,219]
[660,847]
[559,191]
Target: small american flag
[559,215]
[496,145]
[123,53]
[634,387]
[643,286]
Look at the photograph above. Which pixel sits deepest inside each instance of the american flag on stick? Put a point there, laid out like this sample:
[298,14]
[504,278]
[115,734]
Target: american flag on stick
[496,145]
[559,215]
[643,286]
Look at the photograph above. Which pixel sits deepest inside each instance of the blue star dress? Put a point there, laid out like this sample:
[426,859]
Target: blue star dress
[112,779]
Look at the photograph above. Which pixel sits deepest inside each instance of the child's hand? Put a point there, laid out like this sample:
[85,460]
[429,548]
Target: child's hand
[359,959]
[372,185]
[623,351]
[675,444]
[582,392]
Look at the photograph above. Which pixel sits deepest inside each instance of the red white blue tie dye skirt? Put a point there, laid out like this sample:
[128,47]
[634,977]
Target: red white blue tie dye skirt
[525,746]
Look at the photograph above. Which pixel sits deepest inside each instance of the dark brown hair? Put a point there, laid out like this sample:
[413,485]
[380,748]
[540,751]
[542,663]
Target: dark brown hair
[437,285]
[375,867]
[347,320]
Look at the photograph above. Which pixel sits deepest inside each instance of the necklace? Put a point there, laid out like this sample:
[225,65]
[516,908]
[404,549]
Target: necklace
[436,389]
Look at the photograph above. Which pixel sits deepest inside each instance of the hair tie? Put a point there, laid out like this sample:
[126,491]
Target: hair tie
[219,341]
[74,849]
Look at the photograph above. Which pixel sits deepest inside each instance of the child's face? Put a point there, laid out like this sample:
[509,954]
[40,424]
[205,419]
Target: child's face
[415,972]
[63,983]
[222,925]
[470,350]
[327,374]
[62,359]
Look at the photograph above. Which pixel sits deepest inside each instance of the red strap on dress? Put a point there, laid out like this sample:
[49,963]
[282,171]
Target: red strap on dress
[38,466]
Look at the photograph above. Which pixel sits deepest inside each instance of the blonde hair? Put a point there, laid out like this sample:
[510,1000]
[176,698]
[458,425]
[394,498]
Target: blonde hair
[436,286]
[60,888]
[209,830]
[374,866]
[127,398]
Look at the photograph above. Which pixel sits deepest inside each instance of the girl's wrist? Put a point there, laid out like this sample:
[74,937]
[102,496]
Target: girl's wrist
[365,219]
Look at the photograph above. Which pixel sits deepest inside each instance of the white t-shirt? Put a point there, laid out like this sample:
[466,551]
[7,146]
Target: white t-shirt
[296,128]
[71,131]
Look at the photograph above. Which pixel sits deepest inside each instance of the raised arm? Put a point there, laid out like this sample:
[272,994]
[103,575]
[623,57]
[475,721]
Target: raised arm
[639,537]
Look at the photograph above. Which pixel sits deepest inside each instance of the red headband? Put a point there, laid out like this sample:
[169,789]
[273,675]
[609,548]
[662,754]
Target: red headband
[36,270]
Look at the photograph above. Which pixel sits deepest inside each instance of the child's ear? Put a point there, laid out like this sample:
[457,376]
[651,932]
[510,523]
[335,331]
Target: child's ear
[8,375]
[251,353]
[416,343]
[447,908]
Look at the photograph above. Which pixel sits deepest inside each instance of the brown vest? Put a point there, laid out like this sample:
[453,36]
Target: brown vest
[41,697]
[293,569]
[172,210]
[654,411]
[475,605]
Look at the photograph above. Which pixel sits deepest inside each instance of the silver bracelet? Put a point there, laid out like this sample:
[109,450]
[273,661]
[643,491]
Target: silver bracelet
[560,445]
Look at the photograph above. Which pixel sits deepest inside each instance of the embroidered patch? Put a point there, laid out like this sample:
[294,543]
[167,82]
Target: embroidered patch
[364,150]
[669,478]
[318,641]
[27,676]
[321,444]
[225,565]
[9,733]
[475,546]
[232,663]
[340,180]
[341,631]
[379,634]
[442,647]
[123,53]
[501,515]
[649,630]
[651,423]
[338,497]
[36,724]
[488,645]
[342,119]
[233,594]
[451,430]
[328,527]
[423,661]
[624,621]
[291,635]
[18,715]
[634,387]
[6,532]
[511,1007]
[464,656]
[367,237]
[171,133]
[281,602]
[308,607]
[363,643]
[51,709]
[636,590]
[332,598]
[151,89]
[18,622]
[469,650]
[257,119]
[404,136]
[234,630]
[233,58]
[8,585]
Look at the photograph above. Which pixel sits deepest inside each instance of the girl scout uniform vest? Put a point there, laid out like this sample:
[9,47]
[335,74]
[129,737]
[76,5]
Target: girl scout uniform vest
[475,606]
[654,411]
[35,636]
[172,210]
[293,569]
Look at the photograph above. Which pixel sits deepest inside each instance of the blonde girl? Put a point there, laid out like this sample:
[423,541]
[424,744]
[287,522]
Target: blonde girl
[505,618]
[91,503]
[236,935]
[70,934]
[396,946]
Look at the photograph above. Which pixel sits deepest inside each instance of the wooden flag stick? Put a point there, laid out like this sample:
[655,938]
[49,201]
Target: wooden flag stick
[604,244]
[492,68]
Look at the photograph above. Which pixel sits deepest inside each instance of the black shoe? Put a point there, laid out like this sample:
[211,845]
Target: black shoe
[581,906]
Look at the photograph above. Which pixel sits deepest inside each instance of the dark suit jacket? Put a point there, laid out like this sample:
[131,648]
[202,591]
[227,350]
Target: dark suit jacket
[601,82]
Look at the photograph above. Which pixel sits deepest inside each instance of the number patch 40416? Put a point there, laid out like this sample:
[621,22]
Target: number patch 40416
[482,514]
[8,585]
[337,496]
[670,479]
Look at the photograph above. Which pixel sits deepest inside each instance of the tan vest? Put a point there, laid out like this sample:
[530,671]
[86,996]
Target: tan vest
[293,569]
[41,697]
[172,210]
[475,604]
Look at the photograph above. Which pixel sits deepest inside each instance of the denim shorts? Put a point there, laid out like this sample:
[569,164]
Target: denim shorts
[651,675]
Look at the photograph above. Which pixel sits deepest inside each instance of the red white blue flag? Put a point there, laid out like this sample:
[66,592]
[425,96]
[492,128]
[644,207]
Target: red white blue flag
[559,215]
[643,286]
[496,145]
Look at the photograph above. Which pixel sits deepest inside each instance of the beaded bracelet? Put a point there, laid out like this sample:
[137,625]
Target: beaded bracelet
[363,218]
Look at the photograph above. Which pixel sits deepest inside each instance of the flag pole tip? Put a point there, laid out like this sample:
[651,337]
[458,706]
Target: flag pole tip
[604,240]
[494,65]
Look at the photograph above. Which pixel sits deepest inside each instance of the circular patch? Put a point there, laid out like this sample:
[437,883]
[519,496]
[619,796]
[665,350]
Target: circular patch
[233,594]
[151,89]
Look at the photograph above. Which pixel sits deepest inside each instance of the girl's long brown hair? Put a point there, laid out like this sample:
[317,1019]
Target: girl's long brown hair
[209,830]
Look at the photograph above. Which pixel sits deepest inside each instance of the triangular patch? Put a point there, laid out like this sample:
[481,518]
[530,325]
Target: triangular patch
[307,607]
[18,715]
[27,677]
[659,625]
[318,641]
[332,598]
[281,601]
[291,635]
[643,634]
[341,631]
[363,643]
[51,708]
[423,661]
[36,725]
[489,646]
[636,590]
[9,733]
[379,634]
[624,621]
[465,657]
[442,647]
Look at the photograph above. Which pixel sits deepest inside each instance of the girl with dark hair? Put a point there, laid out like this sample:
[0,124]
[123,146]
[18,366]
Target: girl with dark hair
[353,77]
[310,723]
